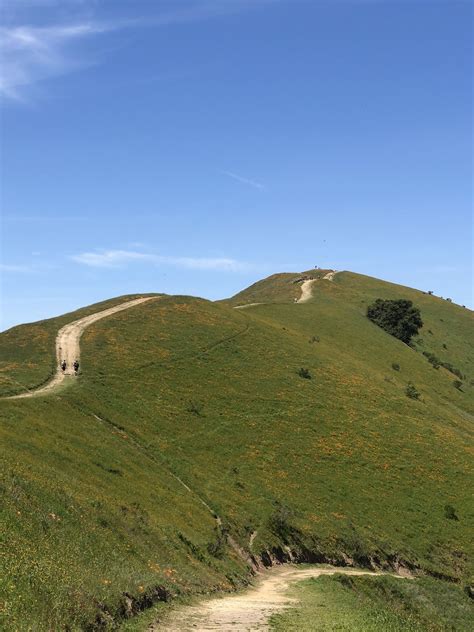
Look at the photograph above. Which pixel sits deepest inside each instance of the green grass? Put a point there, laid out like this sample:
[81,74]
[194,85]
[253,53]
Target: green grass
[344,464]
[28,357]
[278,288]
[371,604]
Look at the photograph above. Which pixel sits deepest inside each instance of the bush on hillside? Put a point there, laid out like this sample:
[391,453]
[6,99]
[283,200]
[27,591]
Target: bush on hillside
[452,369]
[411,391]
[436,362]
[457,384]
[395,366]
[398,318]
[280,522]
[218,547]
[432,359]
[450,512]
[194,407]
[304,373]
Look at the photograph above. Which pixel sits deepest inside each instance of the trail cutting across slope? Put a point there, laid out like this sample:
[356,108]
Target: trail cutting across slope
[67,345]
[307,286]
[252,609]
[246,305]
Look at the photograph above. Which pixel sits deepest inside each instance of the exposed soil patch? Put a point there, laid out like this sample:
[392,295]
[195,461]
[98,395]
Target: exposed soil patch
[307,286]
[251,609]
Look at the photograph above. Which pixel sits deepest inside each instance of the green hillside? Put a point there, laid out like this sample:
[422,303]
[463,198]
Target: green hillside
[28,357]
[187,409]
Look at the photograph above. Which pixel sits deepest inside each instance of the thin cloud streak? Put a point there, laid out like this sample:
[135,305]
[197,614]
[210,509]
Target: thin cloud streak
[30,53]
[6,267]
[252,183]
[120,258]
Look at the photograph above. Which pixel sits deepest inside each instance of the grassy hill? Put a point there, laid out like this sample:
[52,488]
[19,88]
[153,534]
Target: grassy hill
[188,409]
[28,357]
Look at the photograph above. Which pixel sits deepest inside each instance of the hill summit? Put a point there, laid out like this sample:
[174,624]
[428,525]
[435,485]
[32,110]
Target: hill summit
[203,439]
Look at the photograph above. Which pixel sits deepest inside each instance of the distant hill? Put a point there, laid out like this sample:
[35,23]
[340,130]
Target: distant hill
[187,410]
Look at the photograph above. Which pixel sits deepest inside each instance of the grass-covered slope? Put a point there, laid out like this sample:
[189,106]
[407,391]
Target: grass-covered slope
[277,288]
[375,604]
[28,355]
[181,390]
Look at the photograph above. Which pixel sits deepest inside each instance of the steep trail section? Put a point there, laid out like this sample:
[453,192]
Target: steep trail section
[68,349]
[306,286]
[251,609]
[306,291]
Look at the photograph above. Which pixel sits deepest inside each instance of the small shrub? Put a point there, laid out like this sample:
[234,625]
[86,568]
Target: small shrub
[304,373]
[444,346]
[432,359]
[430,292]
[457,384]
[280,521]
[411,391]
[217,548]
[113,470]
[195,550]
[450,512]
[195,408]
[398,318]
[452,369]
[395,366]
[314,339]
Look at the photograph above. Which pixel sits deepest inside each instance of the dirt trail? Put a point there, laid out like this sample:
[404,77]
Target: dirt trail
[306,286]
[249,610]
[246,305]
[67,345]
[306,292]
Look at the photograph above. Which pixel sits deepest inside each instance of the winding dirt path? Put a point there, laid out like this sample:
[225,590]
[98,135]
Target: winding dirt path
[68,349]
[306,290]
[252,609]
[307,286]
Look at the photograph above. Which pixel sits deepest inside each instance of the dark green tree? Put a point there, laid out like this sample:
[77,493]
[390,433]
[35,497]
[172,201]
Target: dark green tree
[398,318]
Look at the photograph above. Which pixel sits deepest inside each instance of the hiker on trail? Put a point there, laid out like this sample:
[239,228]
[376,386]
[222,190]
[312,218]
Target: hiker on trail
[76,366]
[63,365]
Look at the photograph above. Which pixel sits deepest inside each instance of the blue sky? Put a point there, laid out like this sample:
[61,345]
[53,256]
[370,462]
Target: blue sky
[193,147]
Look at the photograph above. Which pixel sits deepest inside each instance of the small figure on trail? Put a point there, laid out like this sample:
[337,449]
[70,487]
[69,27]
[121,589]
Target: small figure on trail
[63,365]
[76,366]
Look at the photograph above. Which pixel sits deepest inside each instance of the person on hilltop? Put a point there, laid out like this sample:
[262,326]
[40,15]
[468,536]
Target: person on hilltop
[76,366]
[63,365]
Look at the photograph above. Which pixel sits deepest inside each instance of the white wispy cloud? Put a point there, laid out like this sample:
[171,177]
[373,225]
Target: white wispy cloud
[120,258]
[7,267]
[243,180]
[31,53]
